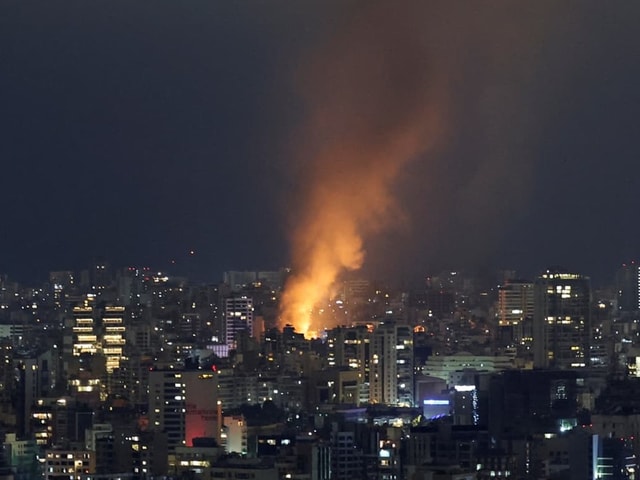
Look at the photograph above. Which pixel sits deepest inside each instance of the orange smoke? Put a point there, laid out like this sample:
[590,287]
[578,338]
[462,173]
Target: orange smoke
[370,101]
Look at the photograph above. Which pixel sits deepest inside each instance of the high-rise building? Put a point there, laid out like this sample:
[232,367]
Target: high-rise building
[349,347]
[391,365]
[346,457]
[184,405]
[238,314]
[113,336]
[113,339]
[70,464]
[84,332]
[61,285]
[515,311]
[561,322]
[95,341]
[628,284]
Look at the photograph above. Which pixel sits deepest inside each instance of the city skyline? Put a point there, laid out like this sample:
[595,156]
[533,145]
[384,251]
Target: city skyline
[139,135]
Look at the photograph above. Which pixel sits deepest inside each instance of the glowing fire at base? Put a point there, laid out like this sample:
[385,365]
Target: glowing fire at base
[326,244]
[297,306]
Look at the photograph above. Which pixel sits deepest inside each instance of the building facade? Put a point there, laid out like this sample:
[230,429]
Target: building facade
[561,323]
[183,404]
[391,365]
[238,314]
[628,288]
[515,311]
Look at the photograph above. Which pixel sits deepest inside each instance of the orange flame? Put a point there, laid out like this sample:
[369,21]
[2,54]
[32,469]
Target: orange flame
[371,111]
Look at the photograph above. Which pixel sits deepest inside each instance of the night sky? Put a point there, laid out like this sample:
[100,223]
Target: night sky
[137,131]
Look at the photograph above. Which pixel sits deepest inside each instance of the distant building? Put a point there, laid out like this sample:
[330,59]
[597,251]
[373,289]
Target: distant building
[334,385]
[196,461]
[61,284]
[570,456]
[183,404]
[14,331]
[562,319]
[391,365]
[237,280]
[245,468]
[448,367]
[522,402]
[628,286]
[84,331]
[21,455]
[113,336]
[100,440]
[234,438]
[143,453]
[350,347]
[68,464]
[346,458]
[515,311]
[238,314]
[445,447]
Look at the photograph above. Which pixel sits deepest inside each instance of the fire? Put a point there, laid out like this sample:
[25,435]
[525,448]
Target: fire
[342,212]
[370,106]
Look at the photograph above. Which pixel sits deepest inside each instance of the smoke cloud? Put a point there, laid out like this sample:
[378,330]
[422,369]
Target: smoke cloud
[427,128]
[373,103]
